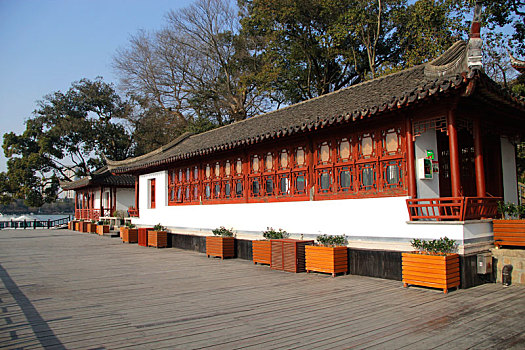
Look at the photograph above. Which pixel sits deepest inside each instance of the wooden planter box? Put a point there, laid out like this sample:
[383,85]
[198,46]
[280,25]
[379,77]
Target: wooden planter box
[91,228]
[332,260]
[122,229]
[101,229]
[288,254]
[157,239]
[83,226]
[262,252]
[436,271]
[129,235]
[143,236]
[509,233]
[223,247]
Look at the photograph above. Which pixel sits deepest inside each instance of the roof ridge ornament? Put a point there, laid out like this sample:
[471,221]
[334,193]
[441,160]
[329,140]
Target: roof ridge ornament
[475,44]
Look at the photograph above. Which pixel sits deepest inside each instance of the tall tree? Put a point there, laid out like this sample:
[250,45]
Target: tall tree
[308,44]
[199,67]
[68,135]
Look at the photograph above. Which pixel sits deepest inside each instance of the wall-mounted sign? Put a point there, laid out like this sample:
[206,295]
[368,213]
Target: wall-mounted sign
[430,154]
[425,169]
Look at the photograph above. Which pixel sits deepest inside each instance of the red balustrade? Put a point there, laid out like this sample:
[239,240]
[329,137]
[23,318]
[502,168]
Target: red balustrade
[453,208]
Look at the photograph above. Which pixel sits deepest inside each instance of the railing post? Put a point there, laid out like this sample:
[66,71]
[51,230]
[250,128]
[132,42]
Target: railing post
[34,225]
[48,224]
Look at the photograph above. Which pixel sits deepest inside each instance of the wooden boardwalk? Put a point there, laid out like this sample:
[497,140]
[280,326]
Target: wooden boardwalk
[68,290]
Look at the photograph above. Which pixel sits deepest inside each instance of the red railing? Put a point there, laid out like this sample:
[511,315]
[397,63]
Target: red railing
[453,208]
[90,214]
[134,213]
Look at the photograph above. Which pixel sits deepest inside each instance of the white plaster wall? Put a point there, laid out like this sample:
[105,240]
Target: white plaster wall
[125,198]
[426,188]
[96,202]
[366,219]
[161,193]
[510,181]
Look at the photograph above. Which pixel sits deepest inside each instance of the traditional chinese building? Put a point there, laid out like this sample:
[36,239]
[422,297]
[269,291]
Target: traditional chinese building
[101,194]
[423,153]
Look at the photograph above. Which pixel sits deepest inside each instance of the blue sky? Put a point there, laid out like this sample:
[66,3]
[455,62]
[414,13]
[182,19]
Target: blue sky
[48,44]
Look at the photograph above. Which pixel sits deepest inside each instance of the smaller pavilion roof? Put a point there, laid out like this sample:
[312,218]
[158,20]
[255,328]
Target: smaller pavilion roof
[101,177]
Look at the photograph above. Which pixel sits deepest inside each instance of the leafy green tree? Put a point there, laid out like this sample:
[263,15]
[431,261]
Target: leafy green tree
[500,13]
[309,46]
[68,135]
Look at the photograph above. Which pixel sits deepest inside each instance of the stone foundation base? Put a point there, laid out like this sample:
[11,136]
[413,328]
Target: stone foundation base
[514,257]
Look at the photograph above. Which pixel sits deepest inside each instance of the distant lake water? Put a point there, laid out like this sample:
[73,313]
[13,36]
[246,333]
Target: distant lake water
[30,217]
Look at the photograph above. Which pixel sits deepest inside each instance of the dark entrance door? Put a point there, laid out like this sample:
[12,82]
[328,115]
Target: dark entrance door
[466,164]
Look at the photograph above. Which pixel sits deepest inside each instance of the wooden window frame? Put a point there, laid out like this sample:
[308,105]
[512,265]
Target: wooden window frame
[152,188]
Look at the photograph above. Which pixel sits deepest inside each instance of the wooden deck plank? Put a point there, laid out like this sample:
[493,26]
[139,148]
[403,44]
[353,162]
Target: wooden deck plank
[90,291]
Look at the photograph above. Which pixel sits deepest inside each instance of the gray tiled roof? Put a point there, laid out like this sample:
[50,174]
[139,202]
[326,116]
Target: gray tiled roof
[101,177]
[368,99]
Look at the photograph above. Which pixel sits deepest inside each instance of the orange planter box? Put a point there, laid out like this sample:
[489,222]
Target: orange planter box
[223,247]
[262,252]
[436,271]
[332,260]
[101,229]
[157,239]
[129,235]
[91,228]
[76,226]
[509,232]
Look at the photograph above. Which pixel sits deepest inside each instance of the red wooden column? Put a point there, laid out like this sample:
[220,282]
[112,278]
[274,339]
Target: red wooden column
[246,168]
[310,165]
[101,203]
[76,205]
[455,179]
[478,159]
[137,192]
[411,159]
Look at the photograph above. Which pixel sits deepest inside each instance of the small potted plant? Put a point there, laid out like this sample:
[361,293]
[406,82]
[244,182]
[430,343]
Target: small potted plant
[129,234]
[329,255]
[262,249]
[92,226]
[510,231]
[158,237]
[221,244]
[433,264]
[102,227]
